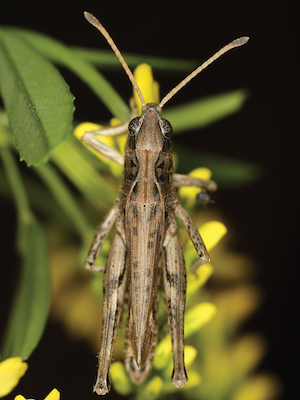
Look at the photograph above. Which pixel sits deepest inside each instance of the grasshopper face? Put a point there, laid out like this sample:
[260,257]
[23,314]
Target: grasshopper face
[150,130]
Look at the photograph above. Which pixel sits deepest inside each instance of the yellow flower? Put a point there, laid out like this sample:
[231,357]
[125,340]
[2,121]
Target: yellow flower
[53,395]
[11,370]
[149,87]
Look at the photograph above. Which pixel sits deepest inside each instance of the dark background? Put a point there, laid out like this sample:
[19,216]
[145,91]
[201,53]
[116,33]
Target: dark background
[264,131]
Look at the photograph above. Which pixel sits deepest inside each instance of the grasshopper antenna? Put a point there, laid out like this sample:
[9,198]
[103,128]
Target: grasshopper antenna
[94,21]
[235,43]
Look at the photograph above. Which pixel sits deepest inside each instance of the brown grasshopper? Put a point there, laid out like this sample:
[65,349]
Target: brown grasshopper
[144,215]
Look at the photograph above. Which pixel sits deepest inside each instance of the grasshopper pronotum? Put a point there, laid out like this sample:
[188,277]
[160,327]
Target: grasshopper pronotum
[146,234]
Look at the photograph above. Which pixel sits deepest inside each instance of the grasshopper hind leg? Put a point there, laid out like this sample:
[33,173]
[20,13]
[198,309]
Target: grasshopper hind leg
[174,278]
[114,287]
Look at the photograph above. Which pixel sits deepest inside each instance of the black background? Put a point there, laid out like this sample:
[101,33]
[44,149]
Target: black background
[264,214]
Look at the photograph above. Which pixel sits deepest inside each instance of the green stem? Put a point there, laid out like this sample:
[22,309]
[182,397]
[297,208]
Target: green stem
[64,198]
[16,184]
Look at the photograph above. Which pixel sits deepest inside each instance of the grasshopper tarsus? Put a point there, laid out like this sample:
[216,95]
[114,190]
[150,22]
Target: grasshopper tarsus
[179,378]
[102,385]
[144,215]
[94,268]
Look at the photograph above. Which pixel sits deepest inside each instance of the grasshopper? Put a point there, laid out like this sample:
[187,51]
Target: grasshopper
[146,240]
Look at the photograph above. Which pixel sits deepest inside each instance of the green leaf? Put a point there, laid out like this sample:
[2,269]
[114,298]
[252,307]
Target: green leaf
[107,59]
[32,299]
[37,99]
[200,113]
[62,55]
[71,160]
[226,171]
[65,199]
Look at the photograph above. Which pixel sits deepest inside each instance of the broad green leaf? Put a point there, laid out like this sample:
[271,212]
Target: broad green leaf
[62,55]
[200,113]
[32,299]
[37,99]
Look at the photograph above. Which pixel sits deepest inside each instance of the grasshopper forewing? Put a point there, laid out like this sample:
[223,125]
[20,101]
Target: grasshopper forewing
[144,215]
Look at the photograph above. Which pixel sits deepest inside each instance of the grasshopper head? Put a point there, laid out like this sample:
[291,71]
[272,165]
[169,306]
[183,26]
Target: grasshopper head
[150,131]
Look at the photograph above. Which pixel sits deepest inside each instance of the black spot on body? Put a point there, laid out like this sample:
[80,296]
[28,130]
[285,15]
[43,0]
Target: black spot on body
[132,364]
[161,165]
[121,277]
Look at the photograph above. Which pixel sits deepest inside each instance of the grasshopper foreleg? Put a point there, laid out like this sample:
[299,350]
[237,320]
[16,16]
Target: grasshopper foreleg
[174,277]
[114,287]
[102,148]
[186,180]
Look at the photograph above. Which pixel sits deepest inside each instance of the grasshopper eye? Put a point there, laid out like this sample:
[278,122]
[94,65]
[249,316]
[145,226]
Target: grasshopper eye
[166,128]
[134,126]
